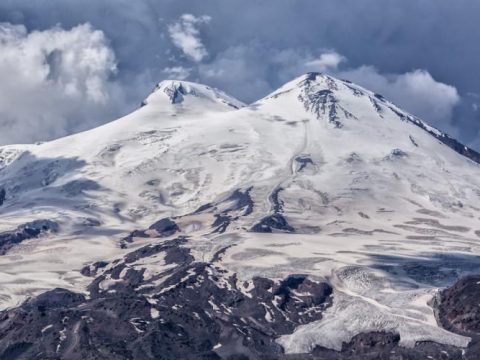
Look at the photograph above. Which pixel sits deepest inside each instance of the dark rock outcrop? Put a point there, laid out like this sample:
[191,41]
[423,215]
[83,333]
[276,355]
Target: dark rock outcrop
[458,310]
[304,161]
[459,306]
[26,231]
[242,201]
[221,223]
[271,223]
[322,102]
[165,227]
[198,311]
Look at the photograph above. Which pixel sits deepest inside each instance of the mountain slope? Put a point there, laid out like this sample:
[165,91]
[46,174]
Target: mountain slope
[323,181]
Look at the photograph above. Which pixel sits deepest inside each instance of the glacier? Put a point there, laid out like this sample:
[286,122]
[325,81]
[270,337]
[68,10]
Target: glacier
[322,178]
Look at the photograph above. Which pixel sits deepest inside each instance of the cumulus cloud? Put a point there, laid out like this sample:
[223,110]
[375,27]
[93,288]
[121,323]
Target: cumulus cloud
[328,61]
[57,81]
[250,52]
[185,35]
[53,82]
[416,91]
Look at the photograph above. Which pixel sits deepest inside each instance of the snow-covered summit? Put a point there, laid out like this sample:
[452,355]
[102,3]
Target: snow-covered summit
[341,103]
[322,178]
[188,94]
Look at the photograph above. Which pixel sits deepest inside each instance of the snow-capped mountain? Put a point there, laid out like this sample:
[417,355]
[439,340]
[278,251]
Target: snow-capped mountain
[295,225]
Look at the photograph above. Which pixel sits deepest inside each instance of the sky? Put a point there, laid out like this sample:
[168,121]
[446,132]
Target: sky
[70,65]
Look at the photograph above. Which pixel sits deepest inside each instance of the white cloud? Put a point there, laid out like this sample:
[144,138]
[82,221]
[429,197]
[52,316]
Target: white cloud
[416,91]
[185,35]
[53,82]
[328,61]
[177,72]
[57,81]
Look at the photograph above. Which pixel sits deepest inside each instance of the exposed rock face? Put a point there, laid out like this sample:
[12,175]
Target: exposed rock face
[323,101]
[460,305]
[195,310]
[459,311]
[176,93]
[271,223]
[26,231]
[163,228]
[275,222]
[199,311]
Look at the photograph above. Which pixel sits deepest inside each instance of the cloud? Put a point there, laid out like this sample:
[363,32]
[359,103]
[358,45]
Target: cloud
[253,70]
[328,61]
[185,35]
[416,91]
[53,82]
[275,41]
[57,81]
[177,72]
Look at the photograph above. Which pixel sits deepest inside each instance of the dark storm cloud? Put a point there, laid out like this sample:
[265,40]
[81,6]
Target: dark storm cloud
[424,54]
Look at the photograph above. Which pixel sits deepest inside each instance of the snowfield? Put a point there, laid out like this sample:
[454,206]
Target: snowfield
[321,178]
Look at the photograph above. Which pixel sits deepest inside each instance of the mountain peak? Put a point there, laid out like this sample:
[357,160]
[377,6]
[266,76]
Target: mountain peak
[180,92]
[175,90]
[343,104]
[323,188]
[320,81]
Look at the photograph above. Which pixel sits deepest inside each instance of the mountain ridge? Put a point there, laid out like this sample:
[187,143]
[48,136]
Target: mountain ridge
[318,204]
